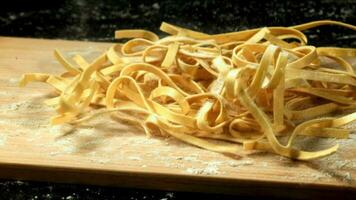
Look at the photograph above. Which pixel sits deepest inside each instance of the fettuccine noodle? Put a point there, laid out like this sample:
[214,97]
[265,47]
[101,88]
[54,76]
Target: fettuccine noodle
[249,87]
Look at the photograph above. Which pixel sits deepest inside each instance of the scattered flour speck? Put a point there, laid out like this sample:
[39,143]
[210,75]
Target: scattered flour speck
[190,158]
[3,93]
[2,140]
[264,164]
[240,163]
[136,158]
[14,81]
[211,169]
[348,177]
[101,160]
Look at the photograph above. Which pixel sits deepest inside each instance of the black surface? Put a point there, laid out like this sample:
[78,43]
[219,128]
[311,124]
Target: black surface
[48,191]
[96,21]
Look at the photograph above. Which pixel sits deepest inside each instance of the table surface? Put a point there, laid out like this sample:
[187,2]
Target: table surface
[89,20]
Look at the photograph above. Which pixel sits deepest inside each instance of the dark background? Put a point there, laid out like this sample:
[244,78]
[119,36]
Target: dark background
[97,20]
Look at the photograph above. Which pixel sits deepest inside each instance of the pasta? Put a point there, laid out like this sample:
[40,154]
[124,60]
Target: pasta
[249,87]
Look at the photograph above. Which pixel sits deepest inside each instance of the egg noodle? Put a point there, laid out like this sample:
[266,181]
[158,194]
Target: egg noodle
[249,87]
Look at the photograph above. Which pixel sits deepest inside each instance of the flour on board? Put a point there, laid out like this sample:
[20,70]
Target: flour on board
[70,142]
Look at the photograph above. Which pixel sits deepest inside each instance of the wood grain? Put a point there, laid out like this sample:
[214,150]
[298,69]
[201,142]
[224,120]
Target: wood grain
[107,152]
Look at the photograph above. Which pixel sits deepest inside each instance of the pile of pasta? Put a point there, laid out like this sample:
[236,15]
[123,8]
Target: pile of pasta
[249,88]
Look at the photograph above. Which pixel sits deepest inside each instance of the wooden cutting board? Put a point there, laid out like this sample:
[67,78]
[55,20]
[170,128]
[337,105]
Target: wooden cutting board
[107,152]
